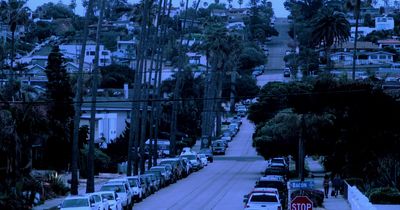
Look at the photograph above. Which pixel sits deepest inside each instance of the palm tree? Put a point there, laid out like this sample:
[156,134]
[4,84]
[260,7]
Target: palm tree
[78,103]
[329,27]
[357,16]
[14,13]
[240,2]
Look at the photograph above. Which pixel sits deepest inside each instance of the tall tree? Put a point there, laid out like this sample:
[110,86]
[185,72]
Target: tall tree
[330,27]
[60,109]
[240,2]
[90,157]
[13,12]
[78,103]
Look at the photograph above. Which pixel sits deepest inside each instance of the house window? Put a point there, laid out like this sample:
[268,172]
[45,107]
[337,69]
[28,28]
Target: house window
[382,57]
[373,56]
[104,53]
[87,52]
[342,57]
[92,53]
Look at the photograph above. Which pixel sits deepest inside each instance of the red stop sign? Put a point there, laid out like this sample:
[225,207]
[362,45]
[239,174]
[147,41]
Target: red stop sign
[301,203]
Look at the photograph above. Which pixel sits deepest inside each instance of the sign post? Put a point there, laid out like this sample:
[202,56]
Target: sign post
[301,203]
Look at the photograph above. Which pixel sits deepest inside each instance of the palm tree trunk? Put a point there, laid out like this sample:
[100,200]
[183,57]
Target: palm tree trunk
[90,157]
[233,90]
[357,13]
[78,104]
[176,94]
[12,54]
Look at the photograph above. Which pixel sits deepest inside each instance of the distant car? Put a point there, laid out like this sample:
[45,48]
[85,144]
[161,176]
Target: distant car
[208,154]
[218,147]
[114,203]
[286,73]
[194,161]
[203,159]
[134,183]
[78,202]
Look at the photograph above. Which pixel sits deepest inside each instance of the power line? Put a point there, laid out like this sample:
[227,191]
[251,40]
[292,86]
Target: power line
[180,99]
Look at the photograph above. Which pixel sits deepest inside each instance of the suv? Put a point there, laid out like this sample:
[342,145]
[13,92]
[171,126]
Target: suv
[194,161]
[79,202]
[125,181]
[261,200]
[122,191]
[134,183]
[218,147]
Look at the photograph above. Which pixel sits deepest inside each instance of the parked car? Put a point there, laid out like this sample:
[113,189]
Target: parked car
[266,201]
[102,204]
[159,177]
[114,203]
[273,181]
[164,172]
[125,181]
[203,159]
[135,184]
[122,191]
[194,161]
[177,164]
[208,153]
[149,184]
[79,202]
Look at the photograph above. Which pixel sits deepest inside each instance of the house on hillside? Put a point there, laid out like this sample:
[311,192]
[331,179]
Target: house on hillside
[363,58]
[349,47]
[219,13]
[384,23]
[389,43]
[72,51]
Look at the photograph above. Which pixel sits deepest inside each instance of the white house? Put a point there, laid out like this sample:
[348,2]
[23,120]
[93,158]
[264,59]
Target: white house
[384,23]
[127,47]
[362,31]
[363,58]
[389,43]
[72,51]
[110,118]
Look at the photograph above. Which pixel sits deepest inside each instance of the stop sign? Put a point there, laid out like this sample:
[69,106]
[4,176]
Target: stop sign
[301,203]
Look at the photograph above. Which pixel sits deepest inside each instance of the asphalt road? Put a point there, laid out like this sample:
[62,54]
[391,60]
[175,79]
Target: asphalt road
[277,48]
[220,185]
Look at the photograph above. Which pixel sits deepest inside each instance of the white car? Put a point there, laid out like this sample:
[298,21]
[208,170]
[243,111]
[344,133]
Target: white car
[134,182]
[114,202]
[79,203]
[121,190]
[125,181]
[264,201]
[203,159]
[102,204]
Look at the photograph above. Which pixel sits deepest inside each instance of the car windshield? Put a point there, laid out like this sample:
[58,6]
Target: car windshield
[270,184]
[132,182]
[108,196]
[83,202]
[202,155]
[277,161]
[190,157]
[157,169]
[263,198]
[116,188]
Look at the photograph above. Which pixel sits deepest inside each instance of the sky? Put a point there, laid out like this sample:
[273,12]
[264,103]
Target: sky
[276,4]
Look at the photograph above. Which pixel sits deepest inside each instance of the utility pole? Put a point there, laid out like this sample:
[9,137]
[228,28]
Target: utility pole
[301,149]
[78,104]
[357,14]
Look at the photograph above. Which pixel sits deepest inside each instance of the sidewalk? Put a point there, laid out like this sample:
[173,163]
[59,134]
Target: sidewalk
[330,203]
[54,202]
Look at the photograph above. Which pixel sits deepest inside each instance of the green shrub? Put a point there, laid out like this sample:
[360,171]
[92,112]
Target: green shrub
[384,195]
[57,185]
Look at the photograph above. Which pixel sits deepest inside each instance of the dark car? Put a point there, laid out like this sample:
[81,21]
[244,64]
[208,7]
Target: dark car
[208,153]
[218,147]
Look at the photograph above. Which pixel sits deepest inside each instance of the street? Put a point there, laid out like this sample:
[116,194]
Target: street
[220,185]
[277,48]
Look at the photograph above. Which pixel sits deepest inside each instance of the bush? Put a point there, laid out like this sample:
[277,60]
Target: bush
[384,195]
[57,185]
